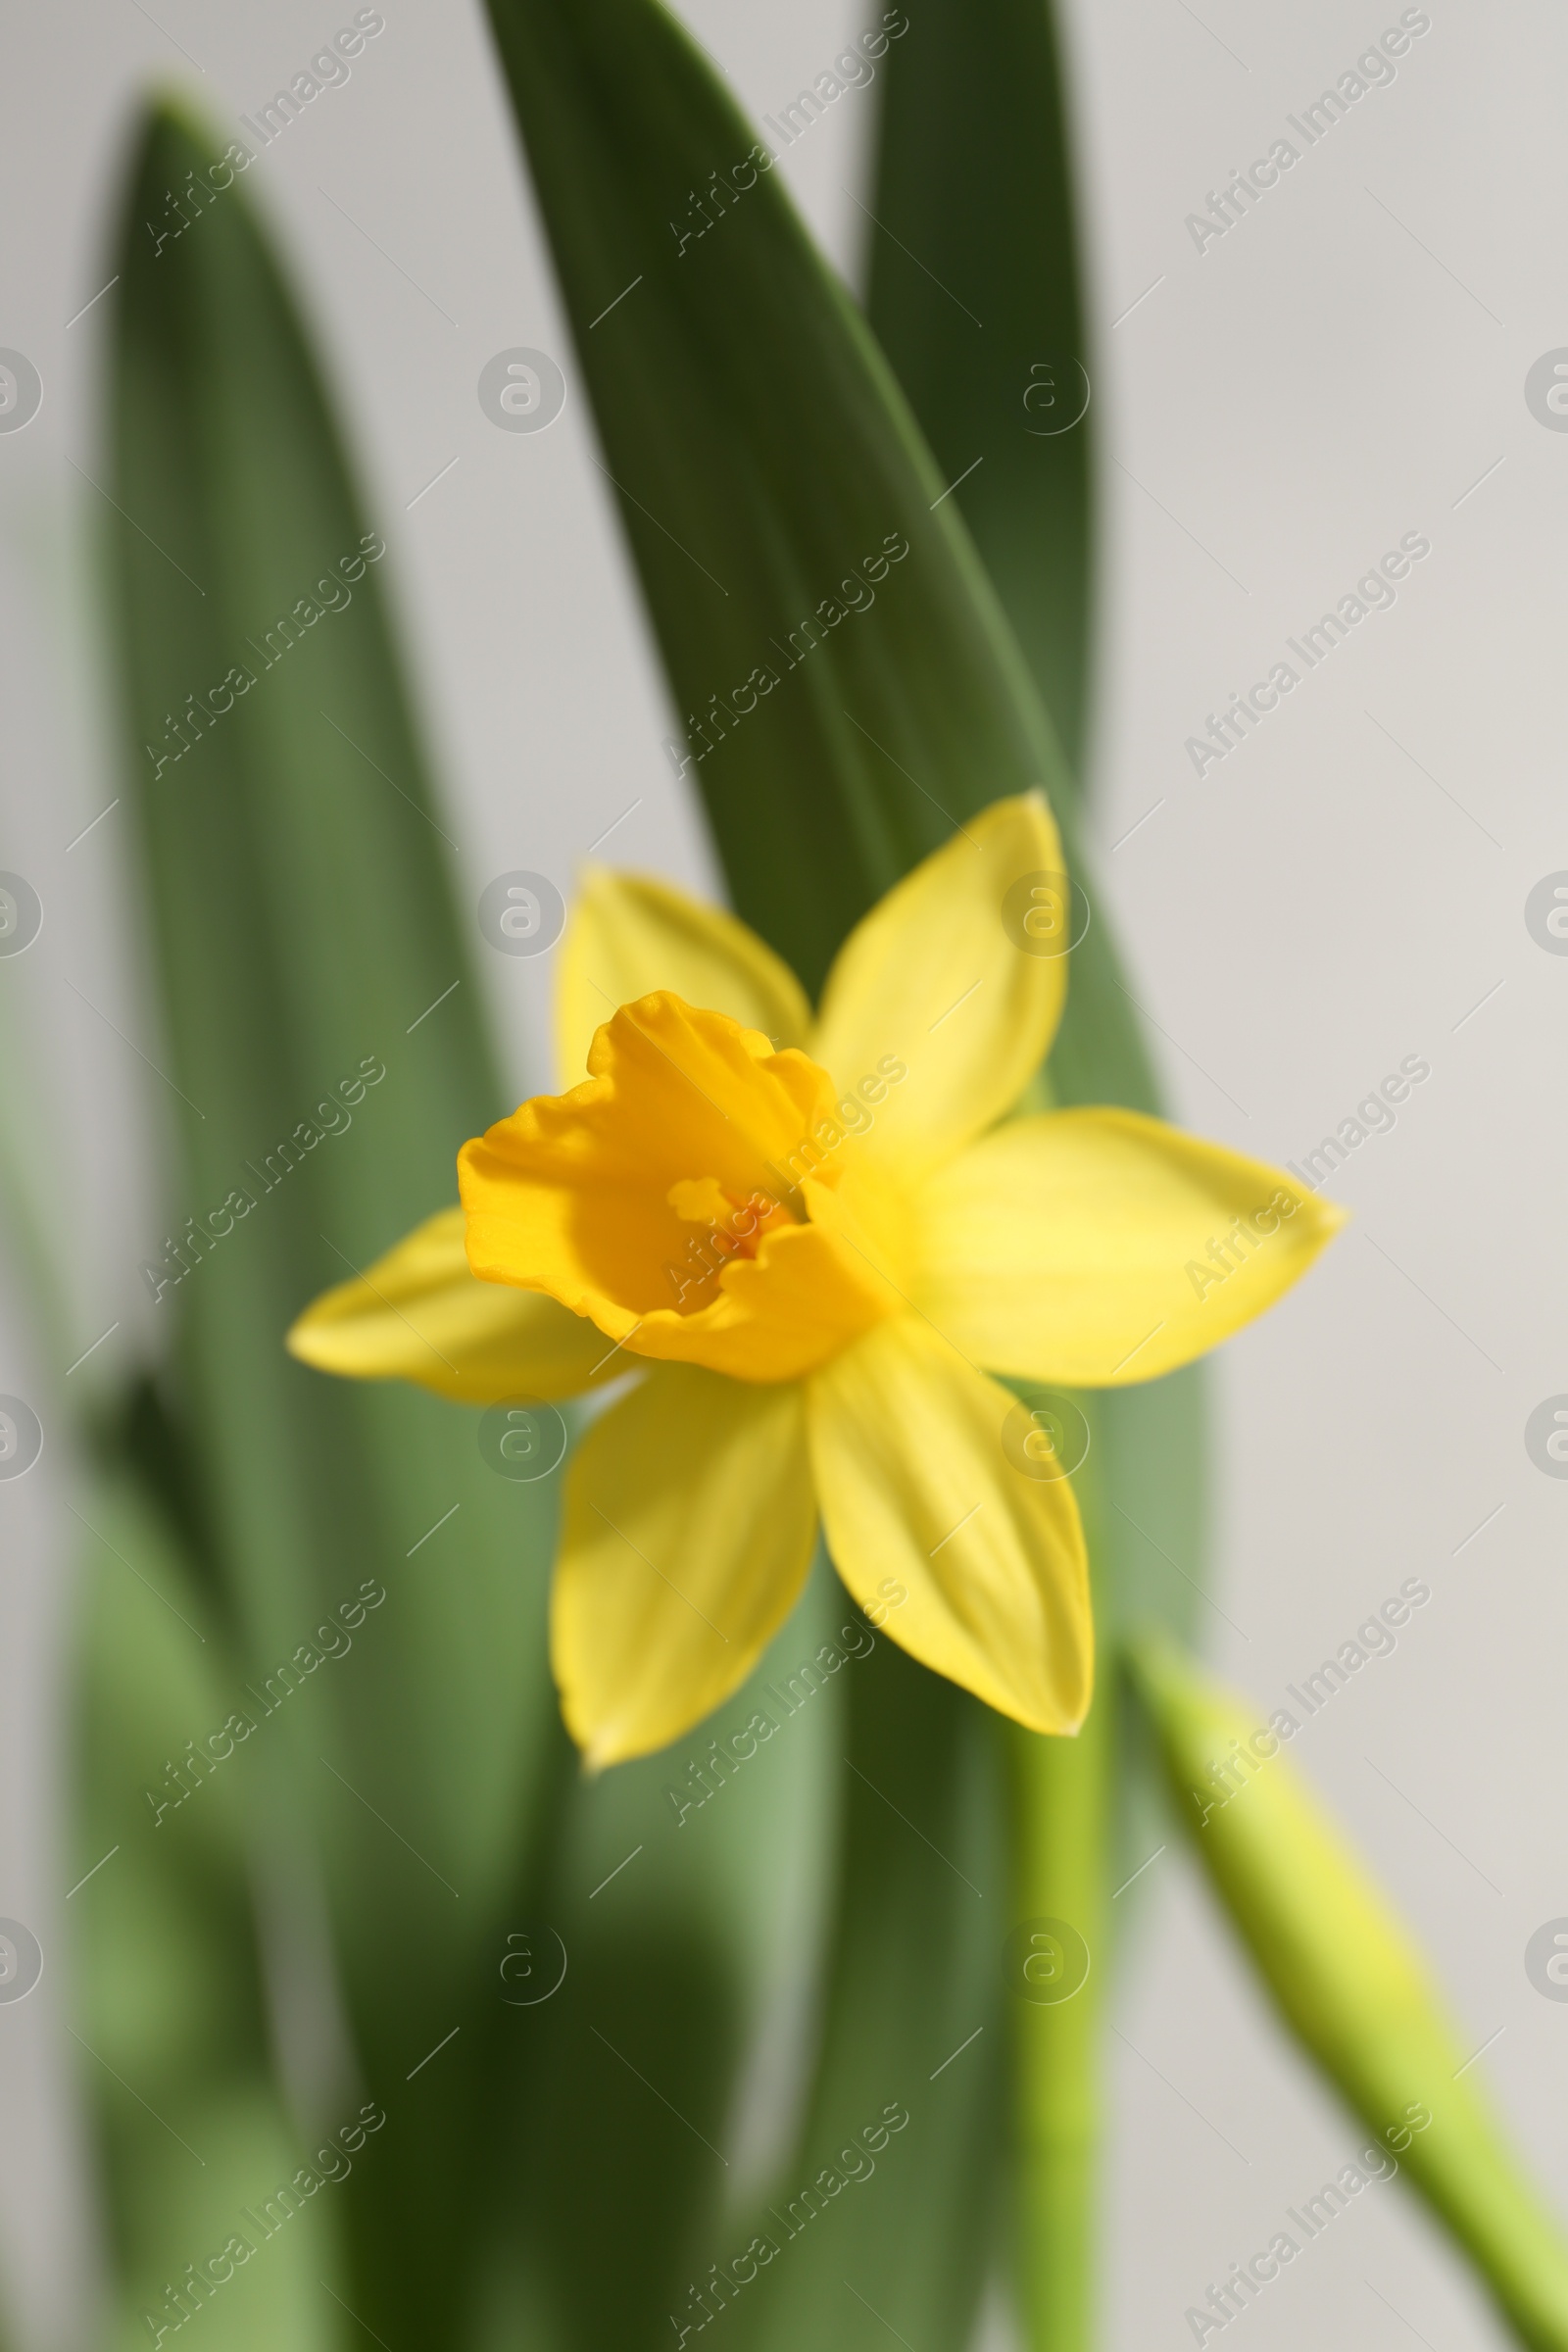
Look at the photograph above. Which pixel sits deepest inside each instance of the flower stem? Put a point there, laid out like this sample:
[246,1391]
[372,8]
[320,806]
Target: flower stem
[1060,1793]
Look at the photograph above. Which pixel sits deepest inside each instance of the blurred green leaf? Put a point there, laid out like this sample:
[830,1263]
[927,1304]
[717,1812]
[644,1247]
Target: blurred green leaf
[649,2090]
[746,413]
[1349,1983]
[765,457]
[770,473]
[31,1230]
[325,1061]
[975,292]
[901,2230]
[975,295]
[168,2011]
[762,452]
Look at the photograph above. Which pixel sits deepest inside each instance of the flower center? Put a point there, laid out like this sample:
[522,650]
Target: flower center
[731,1225]
[763,1267]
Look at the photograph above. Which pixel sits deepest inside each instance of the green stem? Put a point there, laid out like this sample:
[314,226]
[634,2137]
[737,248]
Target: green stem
[1061,1831]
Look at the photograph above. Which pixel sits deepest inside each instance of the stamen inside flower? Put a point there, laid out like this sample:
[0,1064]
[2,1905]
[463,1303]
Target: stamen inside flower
[732,1225]
[763,1265]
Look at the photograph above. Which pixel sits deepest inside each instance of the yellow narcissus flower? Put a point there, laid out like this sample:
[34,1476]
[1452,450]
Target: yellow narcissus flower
[816,1242]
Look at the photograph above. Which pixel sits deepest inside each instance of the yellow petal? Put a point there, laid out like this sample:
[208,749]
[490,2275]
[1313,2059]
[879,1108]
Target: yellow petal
[933,1011]
[629,936]
[689,1531]
[1099,1246]
[919,1496]
[419,1314]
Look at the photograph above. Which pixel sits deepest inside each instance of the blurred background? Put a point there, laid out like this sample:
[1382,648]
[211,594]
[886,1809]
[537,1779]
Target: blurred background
[1344,891]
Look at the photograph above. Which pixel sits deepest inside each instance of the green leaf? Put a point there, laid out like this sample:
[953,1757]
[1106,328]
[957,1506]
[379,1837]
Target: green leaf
[1350,1985]
[975,294]
[304,918]
[166,2012]
[900,2229]
[745,409]
[325,1061]
[646,2093]
[977,219]
[955,240]
[761,451]
[31,1231]
[764,456]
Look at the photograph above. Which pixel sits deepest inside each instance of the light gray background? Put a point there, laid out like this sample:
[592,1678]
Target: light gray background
[1341,369]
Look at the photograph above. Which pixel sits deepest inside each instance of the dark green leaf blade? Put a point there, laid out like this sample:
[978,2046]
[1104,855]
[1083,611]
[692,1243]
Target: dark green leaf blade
[1001,243]
[762,452]
[975,293]
[327,1062]
[875,2215]
[689,1895]
[760,448]
[764,456]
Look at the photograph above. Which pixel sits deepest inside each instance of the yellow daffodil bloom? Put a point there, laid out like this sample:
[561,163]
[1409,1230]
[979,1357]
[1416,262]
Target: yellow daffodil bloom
[816,1242]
